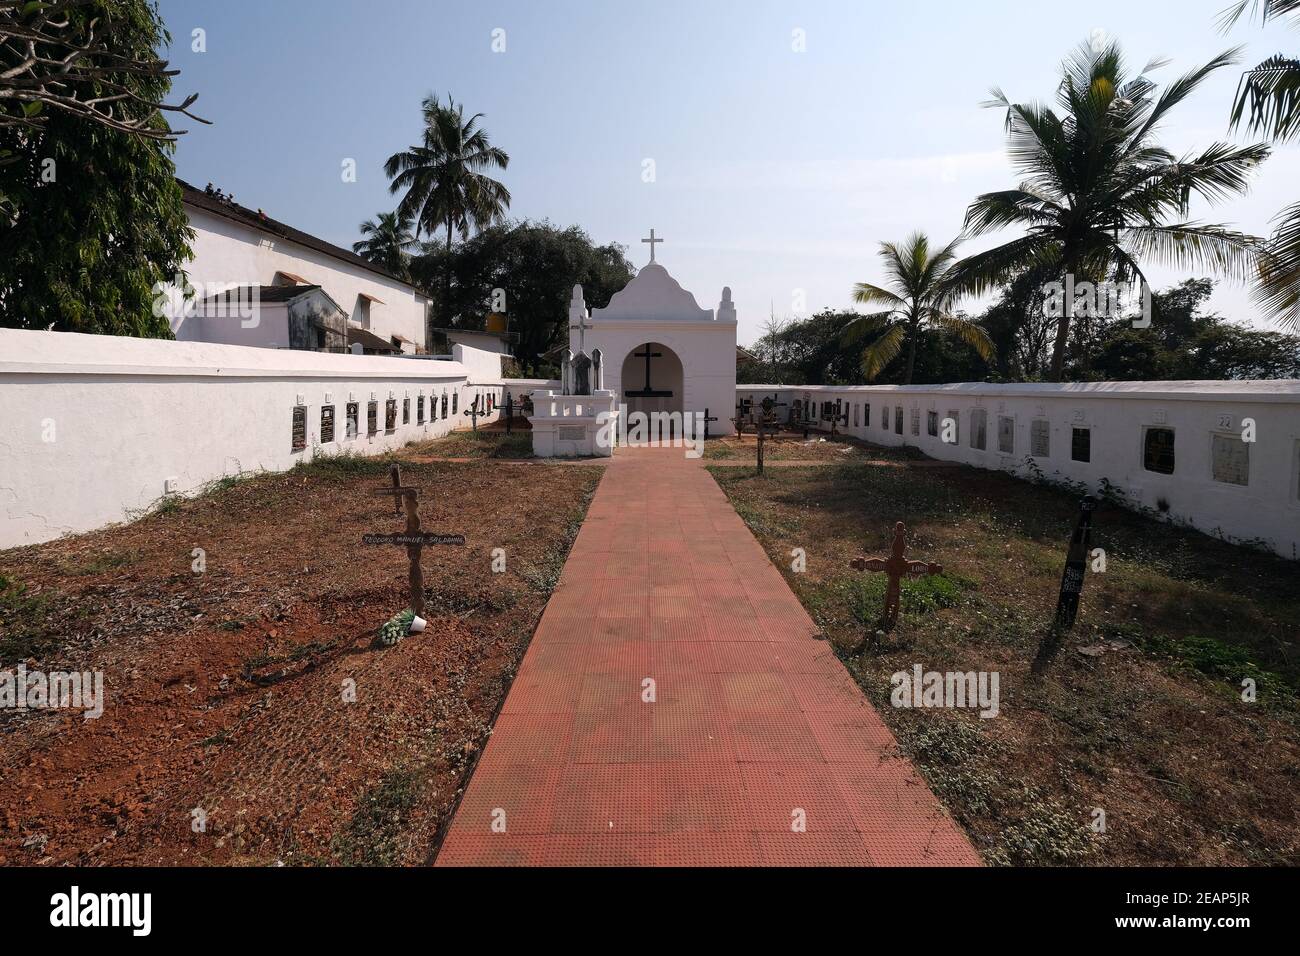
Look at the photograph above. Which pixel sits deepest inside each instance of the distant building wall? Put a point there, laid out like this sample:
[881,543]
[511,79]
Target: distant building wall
[1218,483]
[99,427]
[228,253]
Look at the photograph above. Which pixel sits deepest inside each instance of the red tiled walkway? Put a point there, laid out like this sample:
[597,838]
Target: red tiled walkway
[753,719]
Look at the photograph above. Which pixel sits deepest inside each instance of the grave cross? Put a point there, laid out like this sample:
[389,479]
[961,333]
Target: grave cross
[472,412]
[395,472]
[415,540]
[896,565]
[582,325]
[1076,564]
[708,418]
[653,241]
[766,420]
[510,410]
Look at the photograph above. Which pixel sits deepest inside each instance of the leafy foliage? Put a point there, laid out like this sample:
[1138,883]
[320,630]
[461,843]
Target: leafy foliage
[915,294]
[536,264]
[94,216]
[388,242]
[1098,193]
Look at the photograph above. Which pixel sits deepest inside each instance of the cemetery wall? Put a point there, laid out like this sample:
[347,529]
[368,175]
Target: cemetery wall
[98,428]
[1184,450]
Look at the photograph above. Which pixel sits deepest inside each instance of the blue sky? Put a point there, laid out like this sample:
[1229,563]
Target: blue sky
[776,172]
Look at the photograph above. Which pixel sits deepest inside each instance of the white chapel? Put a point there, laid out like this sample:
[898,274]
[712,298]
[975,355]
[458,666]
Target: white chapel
[655,348]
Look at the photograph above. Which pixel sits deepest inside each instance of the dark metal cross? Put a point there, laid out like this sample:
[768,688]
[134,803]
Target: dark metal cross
[707,419]
[472,412]
[510,410]
[1076,565]
[766,420]
[648,392]
[896,565]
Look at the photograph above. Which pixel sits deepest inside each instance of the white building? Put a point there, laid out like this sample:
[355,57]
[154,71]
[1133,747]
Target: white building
[658,350]
[244,265]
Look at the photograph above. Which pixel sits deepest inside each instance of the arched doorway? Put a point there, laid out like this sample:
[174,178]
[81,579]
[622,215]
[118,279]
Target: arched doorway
[652,379]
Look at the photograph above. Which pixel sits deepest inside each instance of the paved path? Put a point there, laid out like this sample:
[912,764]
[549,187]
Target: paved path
[755,725]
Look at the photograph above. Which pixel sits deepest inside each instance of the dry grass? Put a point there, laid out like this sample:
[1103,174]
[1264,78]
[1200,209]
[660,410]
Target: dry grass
[227,691]
[1138,712]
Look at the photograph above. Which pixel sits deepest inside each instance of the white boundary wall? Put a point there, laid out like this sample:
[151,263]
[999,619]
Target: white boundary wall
[96,427]
[1117,416]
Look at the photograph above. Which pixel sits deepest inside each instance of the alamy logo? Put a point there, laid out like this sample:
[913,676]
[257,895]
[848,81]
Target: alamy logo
[75,908]
[951,689]
[1099,300]
[22,689]
[665,429]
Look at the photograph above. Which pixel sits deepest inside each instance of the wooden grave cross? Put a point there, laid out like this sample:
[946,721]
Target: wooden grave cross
[1076,565]
[395,473]
[767,418]
[414,540]
[896,565]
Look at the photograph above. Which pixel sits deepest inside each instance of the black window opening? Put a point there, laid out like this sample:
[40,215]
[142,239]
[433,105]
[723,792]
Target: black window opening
[1081,444]
[1158,450]
[326,423]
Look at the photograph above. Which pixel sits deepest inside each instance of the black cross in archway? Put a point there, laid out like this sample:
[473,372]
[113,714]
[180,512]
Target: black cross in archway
[648,392]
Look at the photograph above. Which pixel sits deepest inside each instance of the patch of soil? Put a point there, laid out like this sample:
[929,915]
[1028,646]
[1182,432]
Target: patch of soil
[247,718]
[1138,712]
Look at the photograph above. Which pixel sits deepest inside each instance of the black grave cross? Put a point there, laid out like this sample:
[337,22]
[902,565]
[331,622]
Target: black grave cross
[1076,565]
[472,412]
[767,421]
[510,410]
[707,419]
[648,392]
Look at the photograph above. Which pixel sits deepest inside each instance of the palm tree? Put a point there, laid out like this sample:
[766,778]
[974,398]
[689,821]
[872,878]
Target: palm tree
[1098,191]
[387,242]
[1271,94]
[445,181]
[917,294]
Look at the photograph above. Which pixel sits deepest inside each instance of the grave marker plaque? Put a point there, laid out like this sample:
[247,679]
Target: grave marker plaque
[299,427]
[352,426]
[372,418]
[326,423]
[406,411]
[390,416]
[571,432]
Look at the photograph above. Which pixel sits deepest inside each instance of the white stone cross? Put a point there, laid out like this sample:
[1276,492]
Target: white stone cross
[582,325]
[652,240]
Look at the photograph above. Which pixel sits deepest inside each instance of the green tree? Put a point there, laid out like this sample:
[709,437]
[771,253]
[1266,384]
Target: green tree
[535,265]
[916,295]
[96,219]
[388,243]
[1190,343]
[444,179]
[1268,101]
[1098,192]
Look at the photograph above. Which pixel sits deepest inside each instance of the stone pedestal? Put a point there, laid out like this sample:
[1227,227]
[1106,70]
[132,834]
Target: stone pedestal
[571,426]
